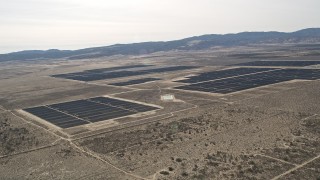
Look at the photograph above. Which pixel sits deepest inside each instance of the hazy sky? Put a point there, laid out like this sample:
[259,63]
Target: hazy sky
[72,24]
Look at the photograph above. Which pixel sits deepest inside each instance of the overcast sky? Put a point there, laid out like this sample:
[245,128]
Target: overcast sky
[73,24]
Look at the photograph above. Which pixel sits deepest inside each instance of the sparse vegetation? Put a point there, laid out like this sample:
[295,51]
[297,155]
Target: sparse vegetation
[13,138]
[205,137]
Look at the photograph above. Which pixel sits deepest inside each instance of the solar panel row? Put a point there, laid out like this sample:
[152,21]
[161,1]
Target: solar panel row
[206,76]
[123,104]
[101,70]
[117,68]
[93,76]
[234,84]
[74,113]
[55,117]
[279,63]
[135,81]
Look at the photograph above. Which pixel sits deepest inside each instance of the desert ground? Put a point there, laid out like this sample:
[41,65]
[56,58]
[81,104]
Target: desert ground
[267,132]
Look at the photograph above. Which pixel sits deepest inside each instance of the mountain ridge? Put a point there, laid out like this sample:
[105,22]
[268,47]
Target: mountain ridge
[207,41]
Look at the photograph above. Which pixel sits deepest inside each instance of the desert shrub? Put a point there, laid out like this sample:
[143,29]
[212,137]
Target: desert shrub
[185,174]
[164,172]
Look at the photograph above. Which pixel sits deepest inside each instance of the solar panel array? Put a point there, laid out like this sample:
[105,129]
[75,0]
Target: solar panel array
[57,118]
[80,112]
[206,76]
[117,68]
[135,81]
[98,71]
[244,82]
[279,63]
[98,74]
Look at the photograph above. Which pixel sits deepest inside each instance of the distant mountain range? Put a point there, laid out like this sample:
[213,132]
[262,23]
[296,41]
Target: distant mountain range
[305,36]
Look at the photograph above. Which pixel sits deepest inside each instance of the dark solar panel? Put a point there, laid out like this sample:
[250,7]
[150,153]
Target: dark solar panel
[135,81]
[75,113]
[124,104]
[94,76]
[206,76]
[239,83]
[55,117]
[117,68]
[279,63]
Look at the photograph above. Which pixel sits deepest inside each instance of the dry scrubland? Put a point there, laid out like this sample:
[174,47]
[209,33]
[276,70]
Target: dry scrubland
[263,133]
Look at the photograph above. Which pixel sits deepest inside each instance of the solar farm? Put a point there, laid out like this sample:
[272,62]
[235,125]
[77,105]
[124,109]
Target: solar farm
[102,74]
[246,79]
[75,113]
[207,76]
[85,112]
[280,63]
[135,81]
[162,119]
